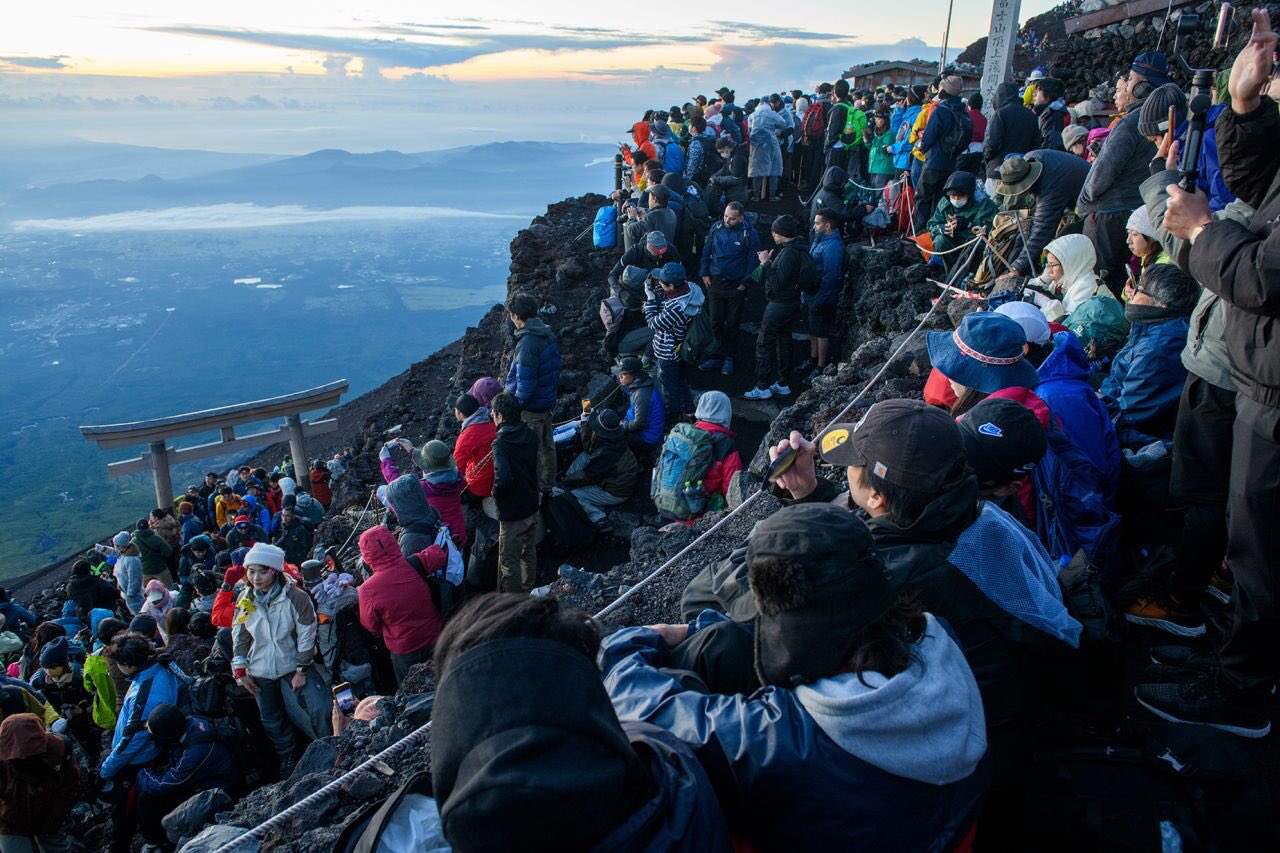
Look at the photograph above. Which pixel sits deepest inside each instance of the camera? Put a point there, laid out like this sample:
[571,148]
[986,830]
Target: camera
[1188,23]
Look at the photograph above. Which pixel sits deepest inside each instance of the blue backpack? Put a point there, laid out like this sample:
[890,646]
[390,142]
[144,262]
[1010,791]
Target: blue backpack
[686,457]
[604,231]
[673,159]
[1071,514]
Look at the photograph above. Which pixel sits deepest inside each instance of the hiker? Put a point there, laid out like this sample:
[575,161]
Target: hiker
[226,507]
[729,259]
[765,124]
[154,552]
[19,619]
[958,215]
[196,554]
[61,682]
[1003,442]
[985,354]
[159,603]
[102,678]
[604,474]
[291,535]
[515,492]
[319,478]
[88,592]
[729,183]
[827,252]
[830,196]
[191,759]
[946,133]
[788,272]
[440,481]
[670,319]
[1068,280]
[190,524]
[1143,243]
[39,786]
[648,254]
[1054,179]
[395,603]
[854,676]
[547,765]
[180,643]
[645,419]
[533,378]
[274,640]
[1051,113]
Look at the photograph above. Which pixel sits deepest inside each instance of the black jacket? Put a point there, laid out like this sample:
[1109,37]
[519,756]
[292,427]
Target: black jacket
[610,465]
[837,117]
[1242,265]
[515,472]
[1057,190]
[89,592]
[1012,129]
[1052,121]
[1122,165]
[830,194]
[732,177]
[782,272]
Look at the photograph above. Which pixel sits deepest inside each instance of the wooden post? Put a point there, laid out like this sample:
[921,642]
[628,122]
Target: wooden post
[1001,41]
[301,464]
[160,474]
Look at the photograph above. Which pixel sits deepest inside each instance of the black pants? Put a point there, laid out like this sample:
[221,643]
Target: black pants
[724,301]
[1249,661]
[931,183]
[773,344]
[1108,233]
[838,157]
[719,659]
[1201,453]
[673,383]
[124,810]
[403,663]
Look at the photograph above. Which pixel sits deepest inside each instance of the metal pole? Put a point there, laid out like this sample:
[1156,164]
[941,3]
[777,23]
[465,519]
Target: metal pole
[301,464]
[946,36]
[160,474]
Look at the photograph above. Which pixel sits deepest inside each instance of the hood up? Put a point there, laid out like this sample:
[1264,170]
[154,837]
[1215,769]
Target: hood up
[834,179]
[410,503]
[23,736]
[1067,361]
[1006,94]
[379,548]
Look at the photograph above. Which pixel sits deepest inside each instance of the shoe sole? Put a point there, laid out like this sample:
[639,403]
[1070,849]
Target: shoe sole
[1166,626]
[1222,597]
[1239,731]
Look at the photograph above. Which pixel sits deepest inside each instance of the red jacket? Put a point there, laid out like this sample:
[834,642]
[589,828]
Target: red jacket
[717,478]
[473,452]
[320,488]
[396,603]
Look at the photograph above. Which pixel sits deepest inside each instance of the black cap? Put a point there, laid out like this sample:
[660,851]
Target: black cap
[167,722]
[631,365]
[906,442]
[1003,440]
[831,586]
[724,91]
[466,404]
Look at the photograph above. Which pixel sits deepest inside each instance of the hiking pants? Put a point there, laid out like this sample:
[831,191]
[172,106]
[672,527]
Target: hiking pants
[540,423]
[1201,452]
[773,344]
[724,302]
[1108,233]
[1248,659]
[281,708]
[403,663]
[517,555]
[55,843]
[673,384]
[594,499]
[838,157]
[931,183]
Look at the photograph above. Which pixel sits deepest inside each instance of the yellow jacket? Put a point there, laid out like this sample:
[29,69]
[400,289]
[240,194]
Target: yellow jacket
[224,508]
[917,129]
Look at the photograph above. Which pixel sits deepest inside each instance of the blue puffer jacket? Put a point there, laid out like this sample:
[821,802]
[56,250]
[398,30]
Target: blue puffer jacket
[902,147]
[196,763]
[1210,180]
[828,255]
[893,764]
[131,744]
[941,120]
[1064,388]
[535,367]
[646,401]
[1146,381]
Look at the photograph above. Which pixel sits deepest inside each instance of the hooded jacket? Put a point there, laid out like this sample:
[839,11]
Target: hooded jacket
[39,780]
[1146,380]
[943,117]
[978,213]
[725,459]
[782,272]
[158,610]
[154,551]
[730,253]
[1052,118]
[1078,284]
[830,193]
[515,472]
[443,491]
[889,764]
[1013,129]
[529,755]
[274,635]
[103,680]
[766,154]
[128,574]
[395,603]
[1056,191]
[646,416]
[169,530]
[731,178]
[1238,262]
[535,367]
[131,743]
[320,489]
[1121,167]
[827,252]
[473,452]
[90,592]
[610,464]
[670,320]
[197,762]
[1064,387]
[419,520]
[293,538]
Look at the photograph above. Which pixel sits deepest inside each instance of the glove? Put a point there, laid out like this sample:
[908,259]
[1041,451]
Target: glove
[1149,455]
[233,576]
[649,294]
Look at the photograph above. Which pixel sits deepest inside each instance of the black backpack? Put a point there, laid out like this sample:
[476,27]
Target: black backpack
[568,525]
[444,595]
[955,141]
[809,279]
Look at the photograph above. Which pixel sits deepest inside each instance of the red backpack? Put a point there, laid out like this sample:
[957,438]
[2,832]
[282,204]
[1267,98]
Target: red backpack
[814,124]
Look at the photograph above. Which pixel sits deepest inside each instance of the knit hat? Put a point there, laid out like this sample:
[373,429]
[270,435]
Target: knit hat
[1140,221]
[1030,318]
[785,226]
[466,405]
[631,365]
[1153,120]
[288,485]
[655,241]
[1003,440]
[661,193]
[241,519]
[167,722]
[485,389]
[434,457]
[262,554]
[238,556]
[185,508]
[714,407]
[1153,65]
[827,585]
[952,84]
[55,653]
[634,277]
[121,539]
[289,502]
[144,625]
[205,583]
[985,353]
[1073,135]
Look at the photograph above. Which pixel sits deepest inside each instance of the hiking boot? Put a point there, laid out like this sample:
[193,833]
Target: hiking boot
[1184,657]
[1203,702]
[780,390]
[1163,613]
[710,364]
[1159,673]
[1220,584]
[727,368]
[758,394]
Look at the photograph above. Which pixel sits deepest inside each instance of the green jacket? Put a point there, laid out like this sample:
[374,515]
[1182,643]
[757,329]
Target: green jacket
[978,213]
[880,161]
[154,552]
[100,684]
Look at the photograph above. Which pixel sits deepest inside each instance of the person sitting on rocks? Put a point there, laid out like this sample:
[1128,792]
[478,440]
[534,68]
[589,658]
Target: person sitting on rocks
[62,683]
[605,473]
[102,678]
[473,452]
[159,603]
[39,786]
[645,419]
[657,217]
[869,708]
[1003,441]
[985,354]
[395,602]
[181,644]
[19,619]
[714,416]
[958,215]
[192,759]
[291,535]
[547,764]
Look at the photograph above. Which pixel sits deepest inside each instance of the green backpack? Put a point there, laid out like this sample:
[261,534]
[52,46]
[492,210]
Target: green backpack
[1100,325]
[686,457]
[699,340]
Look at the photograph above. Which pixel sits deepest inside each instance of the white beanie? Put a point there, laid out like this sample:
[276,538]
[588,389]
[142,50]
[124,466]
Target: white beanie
[121,539]
[1140,221]
[262,554]
[715,407]
[1030,318]
[288,485]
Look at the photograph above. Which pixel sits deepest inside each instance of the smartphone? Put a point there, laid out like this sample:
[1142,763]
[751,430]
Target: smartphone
[345,698]
[781,465]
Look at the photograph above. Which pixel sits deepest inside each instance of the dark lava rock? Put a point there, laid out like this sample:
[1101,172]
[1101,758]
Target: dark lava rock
[320,757]
[187,819]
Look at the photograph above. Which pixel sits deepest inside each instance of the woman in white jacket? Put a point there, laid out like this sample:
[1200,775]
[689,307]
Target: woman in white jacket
[273,637]
[1068,275]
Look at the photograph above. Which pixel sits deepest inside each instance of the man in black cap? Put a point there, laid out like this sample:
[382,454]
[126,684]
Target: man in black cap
[192,759]
[1003,442]
[866,697]
[731,116]
[1055,179]
[604,474]
[645,419]
[648,254]
[788,271]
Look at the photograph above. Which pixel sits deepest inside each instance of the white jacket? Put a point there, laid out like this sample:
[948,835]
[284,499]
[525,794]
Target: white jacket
[274,636]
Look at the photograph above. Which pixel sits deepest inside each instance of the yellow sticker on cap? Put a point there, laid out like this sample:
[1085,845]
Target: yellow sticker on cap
[833,439]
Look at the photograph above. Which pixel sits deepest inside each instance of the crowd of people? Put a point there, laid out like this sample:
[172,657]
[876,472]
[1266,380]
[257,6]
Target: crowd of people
[869,668]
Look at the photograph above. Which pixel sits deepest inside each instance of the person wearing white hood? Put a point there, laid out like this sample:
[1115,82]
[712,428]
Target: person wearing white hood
[869,731]
[1068,277]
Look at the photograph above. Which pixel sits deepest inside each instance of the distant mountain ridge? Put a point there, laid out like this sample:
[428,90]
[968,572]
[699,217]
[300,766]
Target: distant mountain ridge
[498,177]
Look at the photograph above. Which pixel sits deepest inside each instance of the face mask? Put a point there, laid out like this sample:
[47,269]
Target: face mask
[959,203]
